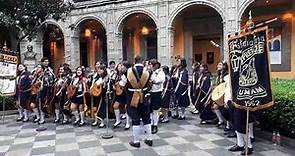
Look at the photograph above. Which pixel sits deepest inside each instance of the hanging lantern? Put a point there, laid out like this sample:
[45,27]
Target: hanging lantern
[144,30]
[87,33]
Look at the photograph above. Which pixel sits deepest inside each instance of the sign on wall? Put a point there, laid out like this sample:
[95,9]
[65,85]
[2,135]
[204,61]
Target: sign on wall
[249,70]
[8,68]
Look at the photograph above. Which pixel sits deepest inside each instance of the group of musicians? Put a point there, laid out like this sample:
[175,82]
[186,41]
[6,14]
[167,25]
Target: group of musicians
[139,91]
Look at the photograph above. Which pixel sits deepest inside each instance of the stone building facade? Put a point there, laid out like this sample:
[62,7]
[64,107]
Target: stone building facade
[111,16]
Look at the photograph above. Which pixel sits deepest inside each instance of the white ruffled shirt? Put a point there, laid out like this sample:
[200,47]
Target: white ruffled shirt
[158,79]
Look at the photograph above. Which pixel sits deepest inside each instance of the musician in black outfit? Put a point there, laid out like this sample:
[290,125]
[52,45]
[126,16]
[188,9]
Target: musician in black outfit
[181,89]
[23,92]
[138,103]
[194,90]
[205,87]
[166,94]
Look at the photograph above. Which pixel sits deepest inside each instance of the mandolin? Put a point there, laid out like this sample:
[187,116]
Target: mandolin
[72,91]
[95,90]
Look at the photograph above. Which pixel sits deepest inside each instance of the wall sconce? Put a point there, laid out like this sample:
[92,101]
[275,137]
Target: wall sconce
[145,30]
[87,33]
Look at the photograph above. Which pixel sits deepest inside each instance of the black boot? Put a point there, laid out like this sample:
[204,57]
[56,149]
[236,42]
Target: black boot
[133,144]
[154,129]
[236,148]
[148,142]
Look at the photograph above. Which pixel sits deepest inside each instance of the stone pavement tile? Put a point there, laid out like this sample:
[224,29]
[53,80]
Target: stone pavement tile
[45,137]
[123,153]
[25,135]
[274,153]
[176,140]
[3,148]
[47,143]
[144,152]
[92,151]
[223,142]
[22,152]
[43,150]
[219,151]
[200,131]
[159,142]
[183,133]
[47,154]
[66,130]
[24,140]
[43,133]
[84,138]
[87,132]
[198,153]
[65,141]
[189,127]
[166,134]
[110,141]
[6,142]
[66,147]
[166,150]
[125,139]
[6,137]
[193,138]
[211,137]
[65,135]
[123,133]
[173,127]
[186,147]
[28,130]
[68,153]
[88,144]
[2,154]
[205,145]
[114,148]
[15,147]
[10,132]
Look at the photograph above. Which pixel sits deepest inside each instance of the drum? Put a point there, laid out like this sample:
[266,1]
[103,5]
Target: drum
[95,90]
[218,94]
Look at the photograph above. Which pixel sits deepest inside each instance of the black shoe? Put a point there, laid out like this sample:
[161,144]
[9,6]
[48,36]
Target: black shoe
[181,118]
[220,124]
[64,122]
[252,140]
[25,119]
[116,124]
[169,113]
[148,142]
[19,119]
[250,151]
[56,121]
[236,148]
[81,124]
[232,135]
[204,122]
[154,129]
[76,122]
[226,129]
[165,121]
[175,116]
[137,145]
[42,122]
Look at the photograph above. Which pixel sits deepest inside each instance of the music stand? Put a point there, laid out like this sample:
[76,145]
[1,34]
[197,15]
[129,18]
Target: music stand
[107,135]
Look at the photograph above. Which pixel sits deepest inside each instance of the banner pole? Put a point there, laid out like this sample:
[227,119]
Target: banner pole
[3,109]
[247,131]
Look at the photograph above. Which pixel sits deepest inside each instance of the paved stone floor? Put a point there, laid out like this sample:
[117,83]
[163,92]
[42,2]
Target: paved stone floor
[177,138]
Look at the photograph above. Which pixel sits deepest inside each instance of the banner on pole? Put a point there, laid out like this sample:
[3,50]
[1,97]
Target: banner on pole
[249,70]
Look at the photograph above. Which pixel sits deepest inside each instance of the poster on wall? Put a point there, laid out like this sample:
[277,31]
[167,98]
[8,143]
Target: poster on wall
[249,70]
[8,68]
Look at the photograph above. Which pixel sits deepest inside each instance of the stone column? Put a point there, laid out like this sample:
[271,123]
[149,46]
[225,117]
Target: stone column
[170,40]
[74,59]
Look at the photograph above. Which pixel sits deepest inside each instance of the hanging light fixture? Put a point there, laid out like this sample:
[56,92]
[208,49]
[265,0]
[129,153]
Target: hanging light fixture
[87,33]
[145,30]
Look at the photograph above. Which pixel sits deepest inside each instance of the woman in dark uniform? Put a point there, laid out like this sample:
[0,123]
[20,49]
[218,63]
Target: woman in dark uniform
[77,100]
[166,94]
[101,99]
[181,89]
[23,92]
[205,87]
[194,91]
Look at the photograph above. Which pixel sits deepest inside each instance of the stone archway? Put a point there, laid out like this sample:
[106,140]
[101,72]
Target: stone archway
[196,32]
[138,36]
[90,40]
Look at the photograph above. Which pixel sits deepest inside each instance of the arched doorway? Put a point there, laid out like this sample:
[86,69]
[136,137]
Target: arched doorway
[139,36]
[93,42]
[281,31]
[198,35]
[53,45]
